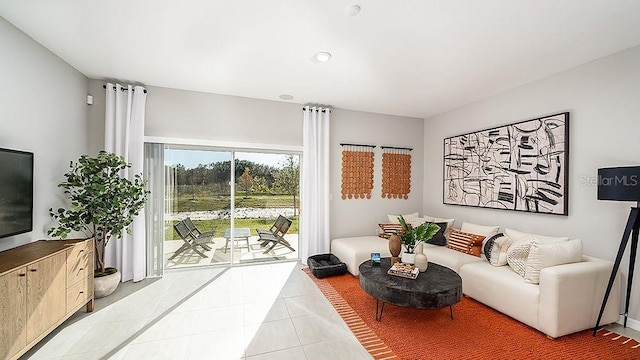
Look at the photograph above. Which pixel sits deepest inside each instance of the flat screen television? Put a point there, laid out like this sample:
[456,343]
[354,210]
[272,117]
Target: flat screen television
[16,192]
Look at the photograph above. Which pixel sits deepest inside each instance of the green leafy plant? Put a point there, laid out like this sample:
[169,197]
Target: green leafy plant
[412,236]
[103,202]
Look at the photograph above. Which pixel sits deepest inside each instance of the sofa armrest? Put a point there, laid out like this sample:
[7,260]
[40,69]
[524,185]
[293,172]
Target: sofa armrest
[571,296]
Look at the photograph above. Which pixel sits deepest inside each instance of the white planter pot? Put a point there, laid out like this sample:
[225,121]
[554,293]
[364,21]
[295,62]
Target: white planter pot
[105,285]
[408,258]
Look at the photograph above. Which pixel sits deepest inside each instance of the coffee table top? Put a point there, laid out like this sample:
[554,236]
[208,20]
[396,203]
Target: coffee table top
[237,233]
[435,288]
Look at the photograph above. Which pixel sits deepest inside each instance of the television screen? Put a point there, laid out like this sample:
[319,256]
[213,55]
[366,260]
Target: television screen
[16,192]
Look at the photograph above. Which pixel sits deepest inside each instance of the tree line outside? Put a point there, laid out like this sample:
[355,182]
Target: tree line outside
[207,187]
[252,180]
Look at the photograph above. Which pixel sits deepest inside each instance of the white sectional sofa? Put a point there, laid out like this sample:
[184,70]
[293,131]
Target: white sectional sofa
[566,300]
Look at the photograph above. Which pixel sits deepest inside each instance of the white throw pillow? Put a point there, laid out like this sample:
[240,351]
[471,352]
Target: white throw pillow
[499,251]
[416,221]
[517,256]
[543,255]
[393,219]
[517,236]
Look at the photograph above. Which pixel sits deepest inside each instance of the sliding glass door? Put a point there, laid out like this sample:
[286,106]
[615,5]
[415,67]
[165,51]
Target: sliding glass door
[220,206]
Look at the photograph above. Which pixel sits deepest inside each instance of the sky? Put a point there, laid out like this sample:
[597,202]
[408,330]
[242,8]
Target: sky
[192,158]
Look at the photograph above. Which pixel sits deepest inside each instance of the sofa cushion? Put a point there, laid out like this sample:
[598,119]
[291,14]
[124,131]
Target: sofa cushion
[465,242]
[543,255]
[450,258]
[499,251]
[439,238]
[502,289]
[353,251]
[488,245]
[394,218]
[386,230]
[517,256]
[517,236]
[486,230]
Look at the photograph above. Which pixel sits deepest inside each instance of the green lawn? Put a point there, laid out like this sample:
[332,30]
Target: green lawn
[220,225]
[204,202]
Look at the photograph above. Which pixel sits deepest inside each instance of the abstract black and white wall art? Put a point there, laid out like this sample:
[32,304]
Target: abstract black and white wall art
[522,166]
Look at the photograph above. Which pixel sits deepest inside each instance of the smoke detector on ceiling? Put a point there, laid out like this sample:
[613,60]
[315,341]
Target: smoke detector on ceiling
[353,10]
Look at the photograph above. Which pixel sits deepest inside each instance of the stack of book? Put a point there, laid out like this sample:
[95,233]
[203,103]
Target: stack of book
[408,271]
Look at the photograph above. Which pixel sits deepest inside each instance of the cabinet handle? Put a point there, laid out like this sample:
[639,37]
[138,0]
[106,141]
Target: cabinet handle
[81,292]
[33,270]
[80,252]
[81,269]
[21,275]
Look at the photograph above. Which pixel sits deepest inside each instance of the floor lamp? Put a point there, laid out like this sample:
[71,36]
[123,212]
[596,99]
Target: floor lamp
[621,184]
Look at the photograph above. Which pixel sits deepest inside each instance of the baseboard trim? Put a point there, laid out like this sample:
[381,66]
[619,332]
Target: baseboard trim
[631,323]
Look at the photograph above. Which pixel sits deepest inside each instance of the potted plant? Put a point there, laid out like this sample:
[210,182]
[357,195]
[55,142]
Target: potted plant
[103,204]
[412,236]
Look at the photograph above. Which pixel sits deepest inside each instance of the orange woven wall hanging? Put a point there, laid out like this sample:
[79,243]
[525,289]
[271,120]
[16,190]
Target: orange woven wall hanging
[396,172]
[357,171]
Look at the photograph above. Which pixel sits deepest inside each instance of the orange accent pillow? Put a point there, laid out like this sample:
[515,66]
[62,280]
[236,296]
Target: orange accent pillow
[464,242]
[386,230]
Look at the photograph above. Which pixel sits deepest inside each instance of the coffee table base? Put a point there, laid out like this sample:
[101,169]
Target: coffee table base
[381,308]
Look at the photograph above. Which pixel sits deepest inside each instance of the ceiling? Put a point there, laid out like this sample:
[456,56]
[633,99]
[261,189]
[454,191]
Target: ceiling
[412,57]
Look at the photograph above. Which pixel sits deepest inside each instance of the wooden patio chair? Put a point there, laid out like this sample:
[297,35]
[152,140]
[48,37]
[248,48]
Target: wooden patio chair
[190,241]
[196,232]
[275,234]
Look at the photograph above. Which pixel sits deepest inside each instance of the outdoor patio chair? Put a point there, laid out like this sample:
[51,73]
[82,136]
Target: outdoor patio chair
[190,241]
[196,232]
[275,235]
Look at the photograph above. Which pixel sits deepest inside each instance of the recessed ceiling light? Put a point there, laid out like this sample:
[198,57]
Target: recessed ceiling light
[286,97]
[353,10]
[323,56]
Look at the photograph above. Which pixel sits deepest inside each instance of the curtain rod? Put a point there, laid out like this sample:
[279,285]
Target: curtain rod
[123,89]
[363,145]
[316,109]
[397,148]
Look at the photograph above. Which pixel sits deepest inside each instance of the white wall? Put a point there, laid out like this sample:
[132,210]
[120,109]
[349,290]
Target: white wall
[42,110]
[357,217]
[603,98]
[173,113]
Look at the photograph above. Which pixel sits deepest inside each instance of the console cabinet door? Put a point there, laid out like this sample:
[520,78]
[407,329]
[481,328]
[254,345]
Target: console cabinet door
[13,312]
[46,294]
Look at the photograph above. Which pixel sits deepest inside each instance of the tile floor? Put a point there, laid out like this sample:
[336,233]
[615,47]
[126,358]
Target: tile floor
[259,312]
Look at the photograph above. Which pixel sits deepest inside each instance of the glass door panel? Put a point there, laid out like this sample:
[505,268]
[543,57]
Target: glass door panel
[198,208]
[266,187]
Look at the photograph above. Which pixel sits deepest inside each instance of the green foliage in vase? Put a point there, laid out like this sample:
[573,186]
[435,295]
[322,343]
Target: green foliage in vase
[103,202]
[412,236]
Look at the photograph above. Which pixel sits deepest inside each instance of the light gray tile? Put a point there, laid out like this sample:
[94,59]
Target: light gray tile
[170,326]
[312,329]
[264,311]
[166,349]
[347,348]
[270,336]
[225,344]
[218,318]
[296,353]
[309,305]
[109,335]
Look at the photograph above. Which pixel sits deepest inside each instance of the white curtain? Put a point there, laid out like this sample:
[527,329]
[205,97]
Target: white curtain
[124,136]
[315,182]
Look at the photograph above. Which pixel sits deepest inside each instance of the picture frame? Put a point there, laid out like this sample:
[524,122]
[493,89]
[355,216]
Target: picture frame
[523,166]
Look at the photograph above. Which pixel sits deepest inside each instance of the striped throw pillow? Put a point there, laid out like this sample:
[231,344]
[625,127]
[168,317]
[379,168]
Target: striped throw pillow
[465,242]
[386,230]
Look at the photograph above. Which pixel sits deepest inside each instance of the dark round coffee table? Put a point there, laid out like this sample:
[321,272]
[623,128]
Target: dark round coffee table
[435,288]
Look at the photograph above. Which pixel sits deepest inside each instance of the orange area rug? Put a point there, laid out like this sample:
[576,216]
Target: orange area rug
[476,332]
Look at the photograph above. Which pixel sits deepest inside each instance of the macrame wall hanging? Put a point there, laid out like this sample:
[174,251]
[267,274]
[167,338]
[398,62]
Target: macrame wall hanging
[357,171]
[396,172]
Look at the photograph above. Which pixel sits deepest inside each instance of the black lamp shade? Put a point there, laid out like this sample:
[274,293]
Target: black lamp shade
[619,183]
